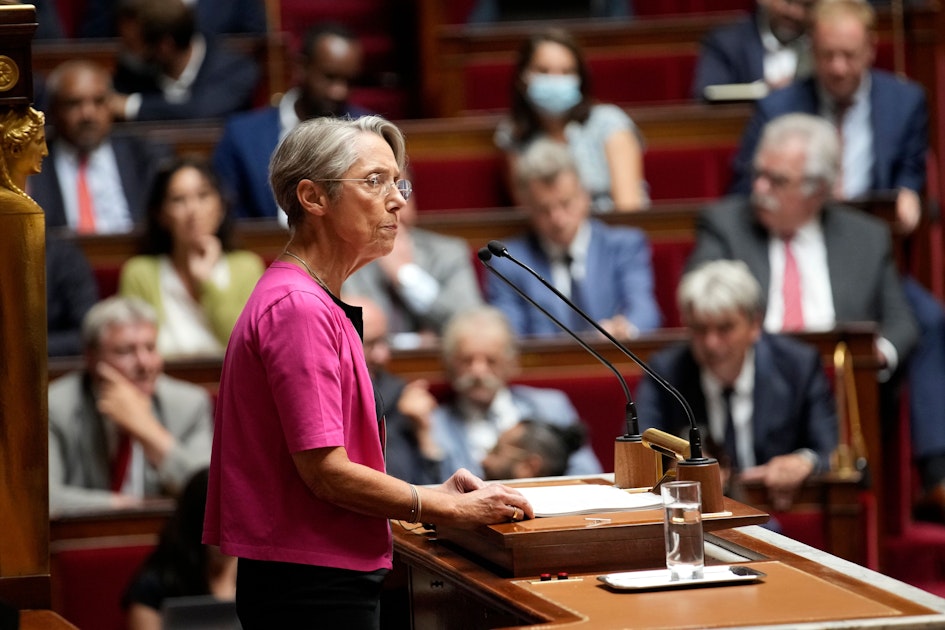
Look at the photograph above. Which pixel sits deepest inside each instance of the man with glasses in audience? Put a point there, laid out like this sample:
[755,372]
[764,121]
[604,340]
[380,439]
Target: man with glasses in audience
[820,263]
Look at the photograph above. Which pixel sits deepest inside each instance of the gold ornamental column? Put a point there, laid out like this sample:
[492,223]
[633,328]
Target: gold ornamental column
[24,520]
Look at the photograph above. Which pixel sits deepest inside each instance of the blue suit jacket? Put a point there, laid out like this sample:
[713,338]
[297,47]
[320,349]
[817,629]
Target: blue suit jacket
[730,54]
[900,130]
[541,405]
[793,405]
[138,161]
[618,280]
[241,159]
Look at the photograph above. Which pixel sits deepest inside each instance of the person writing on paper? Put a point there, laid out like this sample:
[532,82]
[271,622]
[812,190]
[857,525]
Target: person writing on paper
[764,398]
[297,487]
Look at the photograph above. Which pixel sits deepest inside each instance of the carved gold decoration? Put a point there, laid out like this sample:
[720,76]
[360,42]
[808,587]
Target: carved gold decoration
[9,73]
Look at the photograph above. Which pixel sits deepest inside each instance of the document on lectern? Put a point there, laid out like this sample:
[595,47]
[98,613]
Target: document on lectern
[586,499]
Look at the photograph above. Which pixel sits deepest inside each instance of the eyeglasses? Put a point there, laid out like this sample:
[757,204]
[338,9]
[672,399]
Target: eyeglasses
[777,180]
[379,184]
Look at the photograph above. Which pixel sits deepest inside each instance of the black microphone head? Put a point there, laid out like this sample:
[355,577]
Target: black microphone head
[498,249]
[484,254]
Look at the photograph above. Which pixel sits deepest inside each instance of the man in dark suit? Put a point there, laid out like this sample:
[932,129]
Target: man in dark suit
[882,118]
[843,265]
[768,46]
[762,400]
[329,63]
[214,17]
[604,269]
[168,71]
[118,169]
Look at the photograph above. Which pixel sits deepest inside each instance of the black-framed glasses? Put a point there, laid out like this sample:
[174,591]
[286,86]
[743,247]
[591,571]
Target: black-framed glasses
[379,184]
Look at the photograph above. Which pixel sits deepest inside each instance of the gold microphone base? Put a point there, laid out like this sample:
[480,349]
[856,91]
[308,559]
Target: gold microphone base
[706,471]
[635,465]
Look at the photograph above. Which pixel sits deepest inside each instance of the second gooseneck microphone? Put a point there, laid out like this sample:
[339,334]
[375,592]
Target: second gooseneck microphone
[498,249]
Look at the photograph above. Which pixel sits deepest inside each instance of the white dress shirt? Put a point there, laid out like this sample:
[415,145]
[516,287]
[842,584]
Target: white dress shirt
[857,139]
[743,408]
[112,214]
[810,252]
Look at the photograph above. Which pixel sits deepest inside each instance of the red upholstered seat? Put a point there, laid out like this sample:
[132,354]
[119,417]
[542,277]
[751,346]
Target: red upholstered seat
[615,78]
[460,182]
[688,172]
[88,582]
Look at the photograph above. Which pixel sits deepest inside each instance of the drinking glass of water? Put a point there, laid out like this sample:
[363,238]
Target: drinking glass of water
[685,552]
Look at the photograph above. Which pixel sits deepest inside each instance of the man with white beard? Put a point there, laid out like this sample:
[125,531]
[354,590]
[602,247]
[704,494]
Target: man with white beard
[480,358]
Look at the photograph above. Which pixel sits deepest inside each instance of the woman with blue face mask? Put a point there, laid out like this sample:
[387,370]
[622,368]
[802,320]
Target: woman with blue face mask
[550,99]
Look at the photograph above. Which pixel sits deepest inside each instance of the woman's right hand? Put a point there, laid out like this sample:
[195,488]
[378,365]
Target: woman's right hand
[478,503]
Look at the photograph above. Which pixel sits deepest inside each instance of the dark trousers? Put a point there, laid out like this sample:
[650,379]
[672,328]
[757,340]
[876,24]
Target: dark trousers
[287,595]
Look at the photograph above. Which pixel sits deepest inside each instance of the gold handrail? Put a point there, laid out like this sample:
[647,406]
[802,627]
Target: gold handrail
[850,454]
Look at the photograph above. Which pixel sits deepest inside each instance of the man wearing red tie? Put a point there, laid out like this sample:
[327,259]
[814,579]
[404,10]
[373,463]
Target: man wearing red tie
[121,430]
[820,263]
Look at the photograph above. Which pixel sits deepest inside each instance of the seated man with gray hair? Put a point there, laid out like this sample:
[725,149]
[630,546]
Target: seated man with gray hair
[763,400]
[480,357]
[120,429]
[603,269]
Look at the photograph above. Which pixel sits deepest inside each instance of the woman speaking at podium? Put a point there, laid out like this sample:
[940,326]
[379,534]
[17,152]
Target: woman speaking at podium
[297,486]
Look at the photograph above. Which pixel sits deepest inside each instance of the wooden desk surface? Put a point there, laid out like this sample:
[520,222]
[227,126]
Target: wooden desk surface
[446,584]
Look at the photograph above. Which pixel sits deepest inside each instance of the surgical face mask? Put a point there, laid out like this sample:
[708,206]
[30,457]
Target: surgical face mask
[554,93]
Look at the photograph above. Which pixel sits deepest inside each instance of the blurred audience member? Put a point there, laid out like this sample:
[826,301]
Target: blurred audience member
[412,452]
[181,565]
[425,280]
[763,400]
[533,449]
[551,98]
[881,119]
[70,292]
[188,270]
[120,429]
[485,11]
[480,356]
[214,17]
[168,71]
[95,181]
[603,269]
[770,46]
[329,63]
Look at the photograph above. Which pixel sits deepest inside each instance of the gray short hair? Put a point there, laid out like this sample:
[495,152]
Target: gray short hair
[473,322]
[544,160]
[820,138]
[323,148]
[116,310]
[718,287]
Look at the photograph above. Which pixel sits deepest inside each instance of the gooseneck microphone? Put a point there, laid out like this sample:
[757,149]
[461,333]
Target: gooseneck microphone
[635,465]
[696,466]
[497,248]
[632,424]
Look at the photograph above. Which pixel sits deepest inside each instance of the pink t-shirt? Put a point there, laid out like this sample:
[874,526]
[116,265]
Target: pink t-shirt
[293,379]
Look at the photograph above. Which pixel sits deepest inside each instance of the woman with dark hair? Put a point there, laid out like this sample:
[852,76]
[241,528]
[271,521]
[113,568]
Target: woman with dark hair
[551,98]
[180,565]
[187,269]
